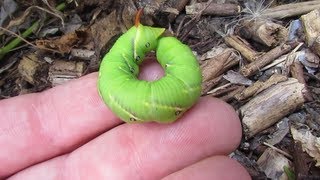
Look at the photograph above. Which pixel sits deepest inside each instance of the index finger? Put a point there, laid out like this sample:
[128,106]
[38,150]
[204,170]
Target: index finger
[39,126]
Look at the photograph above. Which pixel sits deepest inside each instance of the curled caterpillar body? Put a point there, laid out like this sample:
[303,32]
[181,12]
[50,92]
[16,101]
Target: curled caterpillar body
[163,100]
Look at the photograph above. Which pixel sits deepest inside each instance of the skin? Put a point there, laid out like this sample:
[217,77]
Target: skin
[67,132]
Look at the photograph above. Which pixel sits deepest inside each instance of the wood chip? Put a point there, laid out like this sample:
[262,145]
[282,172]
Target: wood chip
[311,24]
[64,71]
[271,105]
[32,69]
[224,9]
[217,65]
[264,31]
[272,164]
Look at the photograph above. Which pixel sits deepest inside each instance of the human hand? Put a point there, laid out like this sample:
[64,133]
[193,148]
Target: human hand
[67,132]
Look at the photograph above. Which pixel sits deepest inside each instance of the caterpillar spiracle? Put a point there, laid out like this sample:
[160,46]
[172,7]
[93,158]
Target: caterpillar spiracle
[163,100]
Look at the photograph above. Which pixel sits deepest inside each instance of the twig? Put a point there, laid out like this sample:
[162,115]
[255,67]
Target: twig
[225,9]
[242,46]
[278,150]
[54,12]
[26,41]
[196,17]
[289,10]
[180,26]
[267,58]
[282,58]
[14,43]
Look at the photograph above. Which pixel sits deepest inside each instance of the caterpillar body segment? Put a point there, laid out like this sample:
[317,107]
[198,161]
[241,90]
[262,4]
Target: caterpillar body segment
[163,100]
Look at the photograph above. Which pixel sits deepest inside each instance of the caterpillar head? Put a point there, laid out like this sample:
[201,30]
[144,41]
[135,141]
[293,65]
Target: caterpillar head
[146,39]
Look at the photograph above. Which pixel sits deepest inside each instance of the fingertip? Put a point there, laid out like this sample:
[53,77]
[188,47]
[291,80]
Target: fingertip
[232,169]
[227,123]
[216,167]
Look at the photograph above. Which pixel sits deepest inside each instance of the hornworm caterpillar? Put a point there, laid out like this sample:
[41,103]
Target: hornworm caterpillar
[163,100]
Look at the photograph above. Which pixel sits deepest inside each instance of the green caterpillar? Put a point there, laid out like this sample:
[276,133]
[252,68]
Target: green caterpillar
[134,100]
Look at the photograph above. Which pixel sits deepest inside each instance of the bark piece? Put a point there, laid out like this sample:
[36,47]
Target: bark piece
[266,58]
[83,54]
[260,86]
[224,9]
[297,72]
[271,105]
[33,70]
[273,163]
[206,86]
[316,46]
[242,46]
[264,31]
[230,95]
[216,66]
[164,11]
[63,71]
[289,10]
[310,143]
[300,161]
[103,30]
[311,24]
[310,60]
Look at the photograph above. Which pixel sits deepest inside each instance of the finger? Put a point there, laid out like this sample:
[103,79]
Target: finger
[151,70]
[37,127]
[216,167]
[151,151]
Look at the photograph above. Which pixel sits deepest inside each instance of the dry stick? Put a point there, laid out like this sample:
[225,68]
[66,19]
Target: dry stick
[214,9]
[278,150]
[264,31]
[289,59]
[290,10]
[270,106]
[260,86]
[175,6]
[265,59]
[296,70]
[215,91]
[196,17]
[217,65]
[232,92]
[54,12]
[16,22]
[180,26]
[242,46]
[14,43]
[26,41]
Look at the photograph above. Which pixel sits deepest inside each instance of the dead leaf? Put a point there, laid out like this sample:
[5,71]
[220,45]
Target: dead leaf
[65,43]
[310,143]
[237,78]
[272,163]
